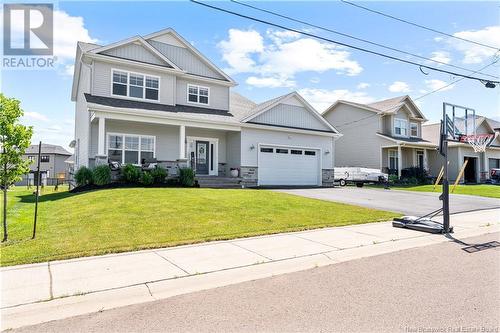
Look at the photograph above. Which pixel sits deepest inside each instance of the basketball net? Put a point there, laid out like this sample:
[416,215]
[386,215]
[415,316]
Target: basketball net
[479,142]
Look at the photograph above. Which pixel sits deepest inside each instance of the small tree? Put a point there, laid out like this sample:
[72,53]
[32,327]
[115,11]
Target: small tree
[14,139]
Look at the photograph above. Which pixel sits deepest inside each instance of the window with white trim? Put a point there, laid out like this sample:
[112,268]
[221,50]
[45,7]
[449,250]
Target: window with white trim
[198,94]
[400,127]
[135,85]
[414,129]
[131,149]
[393,159]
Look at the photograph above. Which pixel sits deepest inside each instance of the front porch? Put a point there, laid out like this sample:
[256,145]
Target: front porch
[396,158]
[208,150]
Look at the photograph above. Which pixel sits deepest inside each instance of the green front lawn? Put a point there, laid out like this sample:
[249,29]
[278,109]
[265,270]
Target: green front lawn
[116,220]
[491,191]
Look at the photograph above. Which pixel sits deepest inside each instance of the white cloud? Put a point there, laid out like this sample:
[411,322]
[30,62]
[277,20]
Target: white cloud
[321,99]
[35,116]
[363,85]
[237,50]
[280,55]
[438,84]
[441,56]
[475,54]
[399,86]
[270,82]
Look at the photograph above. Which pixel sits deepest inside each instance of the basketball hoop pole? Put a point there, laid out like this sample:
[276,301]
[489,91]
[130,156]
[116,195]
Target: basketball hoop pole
[446,185]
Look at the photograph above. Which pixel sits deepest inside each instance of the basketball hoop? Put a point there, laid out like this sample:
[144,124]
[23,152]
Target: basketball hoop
[478,142]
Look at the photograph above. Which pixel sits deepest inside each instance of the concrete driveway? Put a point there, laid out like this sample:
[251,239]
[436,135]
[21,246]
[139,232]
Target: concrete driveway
[406,202]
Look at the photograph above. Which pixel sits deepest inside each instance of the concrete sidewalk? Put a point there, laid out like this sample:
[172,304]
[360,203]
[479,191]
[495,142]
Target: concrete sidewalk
[42,292]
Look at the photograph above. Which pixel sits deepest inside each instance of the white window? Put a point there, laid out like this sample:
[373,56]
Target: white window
[400,127]
[393,159]
[135,85]
[414,129]
[198,94]
[129,148]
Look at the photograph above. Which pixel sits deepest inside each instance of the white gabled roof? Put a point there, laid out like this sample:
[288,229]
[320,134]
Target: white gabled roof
[267,105]
[386,106]
[143,42]
[191,48]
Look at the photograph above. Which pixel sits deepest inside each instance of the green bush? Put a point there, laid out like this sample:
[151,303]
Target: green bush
[186,177]
[130,173]
[393,179]
[83,176]
[159,174]
[102,175]
[146,179]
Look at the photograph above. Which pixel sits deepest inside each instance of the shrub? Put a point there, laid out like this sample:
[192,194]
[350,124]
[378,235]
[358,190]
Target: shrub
[393,179]
[186,177]
[130,173]
[146,179]
[101,175]
[159,174]
[83,176]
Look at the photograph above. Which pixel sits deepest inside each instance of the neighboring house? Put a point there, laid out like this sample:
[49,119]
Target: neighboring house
[479,164]
[52,163]
[156,97]
[385,135]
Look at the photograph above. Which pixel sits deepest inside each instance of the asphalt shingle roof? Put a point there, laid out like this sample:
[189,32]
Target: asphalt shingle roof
[47,149]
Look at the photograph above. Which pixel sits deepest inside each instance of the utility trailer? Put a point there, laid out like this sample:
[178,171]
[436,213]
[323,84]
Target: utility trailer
[359,176]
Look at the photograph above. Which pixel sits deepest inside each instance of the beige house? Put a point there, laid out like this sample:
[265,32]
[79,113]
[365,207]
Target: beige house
[478,165]
[385,135]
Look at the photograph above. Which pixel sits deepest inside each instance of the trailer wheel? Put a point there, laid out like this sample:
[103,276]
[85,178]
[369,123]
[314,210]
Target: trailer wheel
[342,182]
[359,184]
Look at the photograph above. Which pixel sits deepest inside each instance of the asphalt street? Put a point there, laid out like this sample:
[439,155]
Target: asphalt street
[405,202]
[438,287]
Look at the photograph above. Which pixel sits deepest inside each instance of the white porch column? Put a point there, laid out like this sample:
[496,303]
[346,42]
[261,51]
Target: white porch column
[101,137]
[400,161]
[182,142]
[426,162]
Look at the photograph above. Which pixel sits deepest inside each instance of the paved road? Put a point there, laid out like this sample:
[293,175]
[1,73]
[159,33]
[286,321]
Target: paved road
[406,202]
[433,287]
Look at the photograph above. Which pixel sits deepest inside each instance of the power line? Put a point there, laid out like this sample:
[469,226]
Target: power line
[418,25]
[343,44]
[416,99]
[353,37]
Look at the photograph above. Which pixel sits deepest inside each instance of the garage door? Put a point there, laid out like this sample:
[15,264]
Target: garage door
[288,166]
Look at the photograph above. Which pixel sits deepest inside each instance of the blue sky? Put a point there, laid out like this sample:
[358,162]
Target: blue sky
[267,62]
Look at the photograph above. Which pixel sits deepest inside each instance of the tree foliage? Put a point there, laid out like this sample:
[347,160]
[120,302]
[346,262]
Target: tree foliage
[15,138]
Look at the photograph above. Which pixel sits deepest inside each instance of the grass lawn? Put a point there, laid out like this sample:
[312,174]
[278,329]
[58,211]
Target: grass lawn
[483,190]
[116,220]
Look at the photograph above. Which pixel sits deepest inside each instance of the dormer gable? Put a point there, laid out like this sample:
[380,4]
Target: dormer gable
[174,47]
[289,110]
[136,49]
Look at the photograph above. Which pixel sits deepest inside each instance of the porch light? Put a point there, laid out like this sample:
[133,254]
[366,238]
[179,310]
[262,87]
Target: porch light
[327,152]
[252,147]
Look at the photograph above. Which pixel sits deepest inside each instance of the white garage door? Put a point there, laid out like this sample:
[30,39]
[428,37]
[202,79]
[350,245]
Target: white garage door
[288,166]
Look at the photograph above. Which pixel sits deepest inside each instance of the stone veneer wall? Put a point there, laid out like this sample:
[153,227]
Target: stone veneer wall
[249,175]
[327,175]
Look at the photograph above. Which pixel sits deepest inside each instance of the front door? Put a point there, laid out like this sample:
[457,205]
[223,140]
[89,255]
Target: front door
[202,157]
[470,170]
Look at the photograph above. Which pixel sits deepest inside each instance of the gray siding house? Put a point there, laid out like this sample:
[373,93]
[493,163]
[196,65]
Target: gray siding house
[157,97]
[385,135]
[479,164]
[52,163]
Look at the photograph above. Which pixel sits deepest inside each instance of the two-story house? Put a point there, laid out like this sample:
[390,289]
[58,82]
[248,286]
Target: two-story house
[384,135]
[157,97]
[52,164]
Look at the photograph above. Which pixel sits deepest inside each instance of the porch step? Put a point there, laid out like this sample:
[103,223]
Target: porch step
[218,182]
